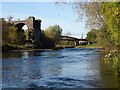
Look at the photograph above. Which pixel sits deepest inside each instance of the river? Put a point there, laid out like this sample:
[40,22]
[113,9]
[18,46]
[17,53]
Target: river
[65,68]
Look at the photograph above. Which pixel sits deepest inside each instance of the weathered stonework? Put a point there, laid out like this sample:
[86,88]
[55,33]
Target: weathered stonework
[33,25]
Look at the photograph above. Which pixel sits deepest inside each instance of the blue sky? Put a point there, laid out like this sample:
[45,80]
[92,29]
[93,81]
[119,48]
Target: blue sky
[49,13]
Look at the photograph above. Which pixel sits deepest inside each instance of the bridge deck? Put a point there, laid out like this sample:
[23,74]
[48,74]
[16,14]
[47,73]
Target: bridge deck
[68,38]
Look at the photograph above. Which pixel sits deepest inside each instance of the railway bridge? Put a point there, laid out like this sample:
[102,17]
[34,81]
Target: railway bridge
[75,40]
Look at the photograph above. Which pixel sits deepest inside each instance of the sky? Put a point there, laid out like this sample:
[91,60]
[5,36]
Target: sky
[50,14]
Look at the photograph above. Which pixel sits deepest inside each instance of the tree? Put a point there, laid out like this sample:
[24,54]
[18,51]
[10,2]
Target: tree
[92,35]
[45,41]
[111,12]
[53,33]
[26,34]
[10,34]
[21,37]
[88,11]
[103,38]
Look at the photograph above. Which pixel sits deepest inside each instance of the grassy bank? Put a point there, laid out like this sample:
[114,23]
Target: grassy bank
[30,47]
[7,47]
[89,46]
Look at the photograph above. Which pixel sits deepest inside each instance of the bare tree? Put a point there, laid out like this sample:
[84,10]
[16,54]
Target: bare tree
[87,11]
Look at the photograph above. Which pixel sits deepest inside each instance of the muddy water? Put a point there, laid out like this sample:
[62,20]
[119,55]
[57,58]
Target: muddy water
[65,68]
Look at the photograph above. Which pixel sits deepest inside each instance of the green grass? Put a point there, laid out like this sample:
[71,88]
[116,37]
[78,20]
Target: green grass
[89,46]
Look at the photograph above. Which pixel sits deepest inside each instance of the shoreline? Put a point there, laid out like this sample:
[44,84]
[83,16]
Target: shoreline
[32,50]
[54,48]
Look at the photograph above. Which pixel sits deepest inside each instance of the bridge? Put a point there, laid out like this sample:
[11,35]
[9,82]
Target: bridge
[75,40]
[34,27]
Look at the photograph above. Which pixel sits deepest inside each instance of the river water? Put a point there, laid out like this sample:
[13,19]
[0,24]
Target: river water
[65,68]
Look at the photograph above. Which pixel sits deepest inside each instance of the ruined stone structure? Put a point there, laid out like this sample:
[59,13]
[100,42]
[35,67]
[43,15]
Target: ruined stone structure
[34,27]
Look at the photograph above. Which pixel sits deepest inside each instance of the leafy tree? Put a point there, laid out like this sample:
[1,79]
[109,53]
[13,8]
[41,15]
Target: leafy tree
[21,37]
[45,41]
[92,35]
[103,39]
[10,34]
[53,32]
[26,34]
[111,12]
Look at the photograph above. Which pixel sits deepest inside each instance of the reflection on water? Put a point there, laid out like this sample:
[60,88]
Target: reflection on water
[25,55]
[66,68]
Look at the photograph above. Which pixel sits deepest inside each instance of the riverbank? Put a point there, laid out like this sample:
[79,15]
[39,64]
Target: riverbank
[113,57]
[27,48]
[31,48]
[109,56]
[89,46]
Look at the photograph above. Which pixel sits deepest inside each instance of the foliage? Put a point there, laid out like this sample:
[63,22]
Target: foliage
[92,35]
[111,12]
[53,33]
[26,34]
[46,42]
[10,34]
[21,37]
[50,36]
[113,57]
[66,43]
[99,14]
